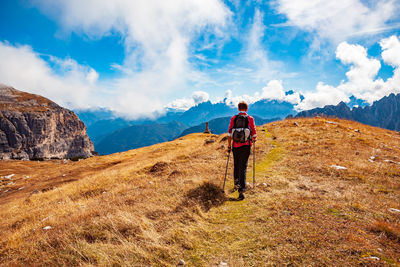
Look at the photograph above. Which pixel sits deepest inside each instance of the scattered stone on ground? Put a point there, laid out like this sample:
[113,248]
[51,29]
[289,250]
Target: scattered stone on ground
[374,258]
[332,122]
[389,161]
[45,219]
[337,167]
[357,131]
[357,152]
[371,159]
[181,262]
[48,227]
[9,176]
[22,187]
[223,264]
[393,210]
[295,124]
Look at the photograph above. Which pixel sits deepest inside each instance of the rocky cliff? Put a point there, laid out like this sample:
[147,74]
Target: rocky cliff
[33,127]
[384,113]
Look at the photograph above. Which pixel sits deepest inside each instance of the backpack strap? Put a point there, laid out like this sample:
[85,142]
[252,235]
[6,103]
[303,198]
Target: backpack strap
[234,121]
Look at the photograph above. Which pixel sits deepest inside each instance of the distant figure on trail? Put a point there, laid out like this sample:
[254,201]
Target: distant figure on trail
[241,135]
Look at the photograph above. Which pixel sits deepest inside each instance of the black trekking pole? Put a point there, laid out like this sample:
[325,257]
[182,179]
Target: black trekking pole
[254,164]
[226,171]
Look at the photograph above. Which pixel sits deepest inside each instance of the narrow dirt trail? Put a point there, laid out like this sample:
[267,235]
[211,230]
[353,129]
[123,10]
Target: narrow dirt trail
[234,231]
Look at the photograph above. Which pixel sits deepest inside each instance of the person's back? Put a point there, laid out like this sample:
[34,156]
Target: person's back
[241,134]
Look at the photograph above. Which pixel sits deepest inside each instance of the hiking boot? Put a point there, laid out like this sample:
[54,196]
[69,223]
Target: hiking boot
[234,189]
[241,196]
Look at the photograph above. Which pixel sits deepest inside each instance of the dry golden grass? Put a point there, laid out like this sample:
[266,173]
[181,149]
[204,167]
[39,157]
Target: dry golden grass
[156,205]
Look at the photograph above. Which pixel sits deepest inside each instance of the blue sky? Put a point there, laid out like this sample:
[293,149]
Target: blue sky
[138,57]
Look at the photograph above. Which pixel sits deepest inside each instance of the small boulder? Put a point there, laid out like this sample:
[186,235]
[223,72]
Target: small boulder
[393,210]
[181,262]
[9,176]
[48,227]
[337,167]
[332,122]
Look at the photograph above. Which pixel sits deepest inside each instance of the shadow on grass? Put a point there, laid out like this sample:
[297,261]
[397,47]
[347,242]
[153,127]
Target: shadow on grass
[206,196]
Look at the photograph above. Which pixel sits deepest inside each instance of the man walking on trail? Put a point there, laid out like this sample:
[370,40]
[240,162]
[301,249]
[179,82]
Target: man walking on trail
[241,134]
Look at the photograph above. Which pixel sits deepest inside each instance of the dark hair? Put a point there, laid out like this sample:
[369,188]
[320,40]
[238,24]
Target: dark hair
[242,105]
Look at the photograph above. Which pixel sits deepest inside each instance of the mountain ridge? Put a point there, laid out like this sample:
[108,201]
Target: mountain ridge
[384,113]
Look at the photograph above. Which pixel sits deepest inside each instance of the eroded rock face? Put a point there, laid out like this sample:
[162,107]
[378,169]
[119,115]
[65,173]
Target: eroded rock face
[33,127]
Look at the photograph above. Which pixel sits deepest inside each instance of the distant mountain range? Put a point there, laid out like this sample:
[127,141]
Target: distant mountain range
[384,113]
[103,126]
[138,136]
[110,133]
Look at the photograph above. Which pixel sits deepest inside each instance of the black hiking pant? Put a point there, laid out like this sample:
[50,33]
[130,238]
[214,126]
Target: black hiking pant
[240,158]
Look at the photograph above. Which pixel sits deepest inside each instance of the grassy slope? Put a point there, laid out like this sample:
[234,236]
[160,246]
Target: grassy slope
[159,204]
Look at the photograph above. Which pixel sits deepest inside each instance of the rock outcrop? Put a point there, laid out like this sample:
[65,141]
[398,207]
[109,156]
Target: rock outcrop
[33,127]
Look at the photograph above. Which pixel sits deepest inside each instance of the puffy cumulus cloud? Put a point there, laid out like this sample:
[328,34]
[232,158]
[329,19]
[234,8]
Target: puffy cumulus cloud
[322,96]
[274,90]
[200,97]
[361,78]
[337,20]
[186,103]
[65,82]
[158,36]
[391,51]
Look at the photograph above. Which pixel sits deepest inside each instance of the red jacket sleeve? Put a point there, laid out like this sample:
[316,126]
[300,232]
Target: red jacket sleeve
[252,126]
[231,125]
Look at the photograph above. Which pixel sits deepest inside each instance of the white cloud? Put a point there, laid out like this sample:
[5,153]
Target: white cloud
[274,90]
[158,37]
[70,85]
[361,78]
[322,96]
[255,54]
[391,51]
[186,103]
[337,20]
[200,97]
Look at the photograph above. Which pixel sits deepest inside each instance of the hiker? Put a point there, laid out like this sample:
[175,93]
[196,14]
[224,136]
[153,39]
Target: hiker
[241,134]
